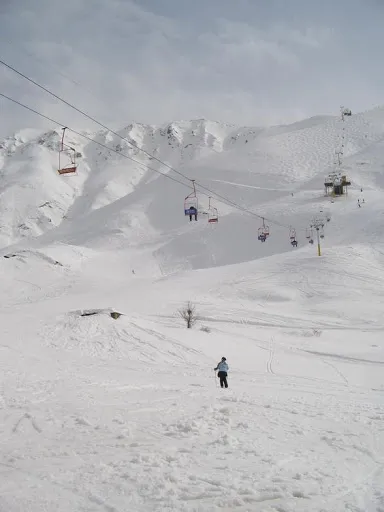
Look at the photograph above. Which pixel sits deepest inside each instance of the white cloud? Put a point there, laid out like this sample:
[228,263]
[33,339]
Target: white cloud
[151,61]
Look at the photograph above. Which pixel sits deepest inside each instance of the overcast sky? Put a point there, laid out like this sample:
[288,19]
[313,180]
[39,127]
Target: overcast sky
[251,62]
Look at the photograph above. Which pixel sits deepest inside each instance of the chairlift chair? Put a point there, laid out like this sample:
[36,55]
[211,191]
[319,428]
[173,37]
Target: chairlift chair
[292,237]
[191,204]
[213,214]
[261,235]
[266,230]
[263,232]
[70,168]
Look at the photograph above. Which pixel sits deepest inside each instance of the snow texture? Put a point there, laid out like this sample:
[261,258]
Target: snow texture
[117,415]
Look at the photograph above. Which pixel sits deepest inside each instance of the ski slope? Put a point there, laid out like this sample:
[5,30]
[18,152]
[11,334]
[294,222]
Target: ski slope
[103,414]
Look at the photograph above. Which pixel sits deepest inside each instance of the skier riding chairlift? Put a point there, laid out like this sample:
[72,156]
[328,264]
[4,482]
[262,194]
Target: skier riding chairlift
[192,213]
[262,237]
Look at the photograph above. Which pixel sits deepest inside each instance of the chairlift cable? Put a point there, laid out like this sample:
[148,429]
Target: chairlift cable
[89,117]
[226,200]
[89,139]
[223,198]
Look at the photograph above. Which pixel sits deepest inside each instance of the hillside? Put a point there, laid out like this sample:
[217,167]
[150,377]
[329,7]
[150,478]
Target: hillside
[99,414]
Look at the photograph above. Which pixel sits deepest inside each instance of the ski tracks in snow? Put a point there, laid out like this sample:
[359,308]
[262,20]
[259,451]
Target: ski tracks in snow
[210,459]
[271,356]
[178,448]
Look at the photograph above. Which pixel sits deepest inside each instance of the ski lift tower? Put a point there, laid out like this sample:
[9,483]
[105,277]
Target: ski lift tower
[318,224]
[339,155]
[337,182]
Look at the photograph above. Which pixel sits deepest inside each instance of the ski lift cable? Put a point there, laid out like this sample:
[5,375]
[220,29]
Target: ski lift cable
[54,121]
[221,199]
[232,203]
[89,117]
[110,130]
[228,201]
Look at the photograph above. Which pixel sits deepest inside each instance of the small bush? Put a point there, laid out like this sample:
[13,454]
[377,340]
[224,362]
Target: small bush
[188,314]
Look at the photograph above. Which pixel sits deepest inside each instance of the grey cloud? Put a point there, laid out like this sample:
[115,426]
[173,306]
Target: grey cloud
[245,62]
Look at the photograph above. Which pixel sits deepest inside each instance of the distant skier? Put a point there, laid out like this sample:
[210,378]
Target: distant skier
[192,212]
[223,372]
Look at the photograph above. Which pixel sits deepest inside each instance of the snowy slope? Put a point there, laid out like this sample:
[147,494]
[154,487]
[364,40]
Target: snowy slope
[116,415]
[105,414]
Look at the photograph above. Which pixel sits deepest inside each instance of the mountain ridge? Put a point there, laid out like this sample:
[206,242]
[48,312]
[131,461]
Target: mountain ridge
[258,168]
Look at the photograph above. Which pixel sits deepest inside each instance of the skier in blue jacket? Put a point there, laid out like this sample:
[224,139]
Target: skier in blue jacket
[223,372]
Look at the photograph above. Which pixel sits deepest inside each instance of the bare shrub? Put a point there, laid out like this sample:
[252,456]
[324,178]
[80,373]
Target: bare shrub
[188,314]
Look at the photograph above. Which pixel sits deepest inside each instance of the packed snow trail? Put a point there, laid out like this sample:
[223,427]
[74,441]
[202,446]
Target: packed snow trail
[103,414]
[183,444]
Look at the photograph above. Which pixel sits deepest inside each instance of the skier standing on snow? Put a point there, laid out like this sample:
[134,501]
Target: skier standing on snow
[223,372]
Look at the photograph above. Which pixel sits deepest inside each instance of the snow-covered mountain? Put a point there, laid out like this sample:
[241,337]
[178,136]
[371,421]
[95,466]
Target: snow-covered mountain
[98,413]
[257,168]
